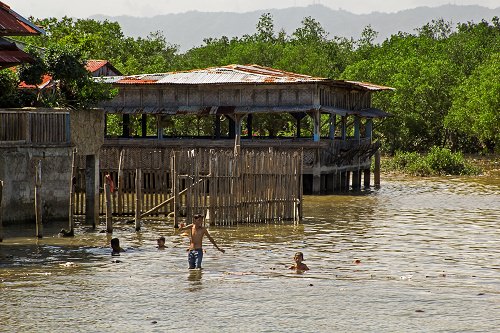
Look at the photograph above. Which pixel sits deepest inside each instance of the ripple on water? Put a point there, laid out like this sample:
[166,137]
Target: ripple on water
[423,250]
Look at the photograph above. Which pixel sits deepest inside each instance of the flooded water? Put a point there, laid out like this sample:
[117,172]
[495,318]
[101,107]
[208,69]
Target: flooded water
[428,252]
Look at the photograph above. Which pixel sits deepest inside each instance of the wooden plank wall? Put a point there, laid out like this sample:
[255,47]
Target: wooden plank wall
[34,127]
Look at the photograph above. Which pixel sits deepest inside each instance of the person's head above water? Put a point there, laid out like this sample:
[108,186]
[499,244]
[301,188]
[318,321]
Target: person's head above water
[161,242]
[298,256]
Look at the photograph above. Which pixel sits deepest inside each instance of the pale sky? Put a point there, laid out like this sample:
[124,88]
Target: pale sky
[84,9]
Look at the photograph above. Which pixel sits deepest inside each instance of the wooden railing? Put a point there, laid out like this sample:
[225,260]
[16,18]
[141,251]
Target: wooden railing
[34,127]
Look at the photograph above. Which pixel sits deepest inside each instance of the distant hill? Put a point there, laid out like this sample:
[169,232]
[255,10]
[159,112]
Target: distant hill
[189,29]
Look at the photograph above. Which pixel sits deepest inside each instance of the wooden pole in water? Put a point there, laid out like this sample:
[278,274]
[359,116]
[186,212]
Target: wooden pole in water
[175,189]
[38,200]
[1,223]
[120,183]
[376,171]
[109,213]
[72,194]
[138,199]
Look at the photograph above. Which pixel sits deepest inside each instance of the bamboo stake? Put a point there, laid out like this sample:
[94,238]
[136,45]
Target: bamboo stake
[38,200]
[120,183]
[138,199]
[109,213]
[72,196]
[175,189]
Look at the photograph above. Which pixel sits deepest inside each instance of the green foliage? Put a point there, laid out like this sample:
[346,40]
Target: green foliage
[476,105]
[8,89]
[438,161]
[426,69]
[446,78]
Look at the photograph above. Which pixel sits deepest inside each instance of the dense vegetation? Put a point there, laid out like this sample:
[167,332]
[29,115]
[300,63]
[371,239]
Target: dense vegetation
[437,162]
[446,78]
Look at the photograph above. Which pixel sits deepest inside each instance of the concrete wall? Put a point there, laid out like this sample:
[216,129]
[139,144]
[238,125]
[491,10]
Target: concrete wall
[19,158]
[17,170]
[87,130]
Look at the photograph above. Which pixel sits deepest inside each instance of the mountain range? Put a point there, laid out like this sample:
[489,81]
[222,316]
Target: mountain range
[188,29]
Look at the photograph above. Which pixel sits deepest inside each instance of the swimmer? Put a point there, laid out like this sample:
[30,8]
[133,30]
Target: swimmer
[299,265]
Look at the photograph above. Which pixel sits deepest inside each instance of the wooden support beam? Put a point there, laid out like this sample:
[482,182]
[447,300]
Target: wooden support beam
[333,119]
[1,211]
[356,180]
[38,199]
[357,122]
[366,174]
[369,129]
[376,176]
[72,198]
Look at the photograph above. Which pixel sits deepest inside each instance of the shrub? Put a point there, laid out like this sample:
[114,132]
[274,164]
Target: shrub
[439,161]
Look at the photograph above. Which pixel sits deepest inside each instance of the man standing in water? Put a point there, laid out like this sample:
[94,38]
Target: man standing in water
[196,232]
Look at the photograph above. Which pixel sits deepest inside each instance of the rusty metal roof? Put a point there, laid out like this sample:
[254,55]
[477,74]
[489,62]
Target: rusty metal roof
[218,75]
[236,74]
[13,24]
[11,55]
[368,85]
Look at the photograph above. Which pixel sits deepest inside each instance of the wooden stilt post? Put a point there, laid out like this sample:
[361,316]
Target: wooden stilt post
[109,213]
[1,223]
[38,200]
[366,174]
[138,199]
[376,176]
[356,180]
[120,183]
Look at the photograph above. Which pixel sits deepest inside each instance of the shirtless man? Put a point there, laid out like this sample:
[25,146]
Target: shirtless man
[196,232]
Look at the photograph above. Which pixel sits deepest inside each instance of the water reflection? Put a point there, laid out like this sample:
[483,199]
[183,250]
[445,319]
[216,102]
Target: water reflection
[194,279]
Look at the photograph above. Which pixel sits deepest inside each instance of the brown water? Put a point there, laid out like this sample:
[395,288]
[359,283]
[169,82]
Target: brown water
[429,252]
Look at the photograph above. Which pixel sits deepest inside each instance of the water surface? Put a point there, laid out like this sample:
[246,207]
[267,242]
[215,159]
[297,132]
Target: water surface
[428,251]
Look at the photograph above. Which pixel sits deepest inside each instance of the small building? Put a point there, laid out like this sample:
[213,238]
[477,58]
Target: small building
[100,68]
[228,101]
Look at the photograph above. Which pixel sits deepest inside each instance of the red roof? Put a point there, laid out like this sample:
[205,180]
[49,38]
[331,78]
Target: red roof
[11,55]
[13,24]
[101,68]
[45,81]
[93,65]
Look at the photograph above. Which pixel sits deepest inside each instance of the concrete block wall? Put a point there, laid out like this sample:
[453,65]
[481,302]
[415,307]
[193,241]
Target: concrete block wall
[17,170]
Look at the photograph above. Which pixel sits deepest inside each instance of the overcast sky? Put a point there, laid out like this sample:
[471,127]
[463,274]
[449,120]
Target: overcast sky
[84,9]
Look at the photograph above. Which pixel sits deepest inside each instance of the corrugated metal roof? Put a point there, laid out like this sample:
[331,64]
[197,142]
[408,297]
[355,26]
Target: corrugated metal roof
[370,86]
[13,24]
[218,75]
[11,55]
[242,74]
